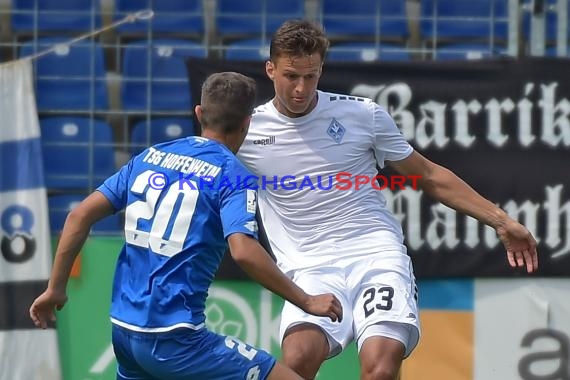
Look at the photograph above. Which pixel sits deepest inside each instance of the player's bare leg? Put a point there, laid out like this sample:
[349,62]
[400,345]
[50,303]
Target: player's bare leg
[282,372]
[305,347]
[381,358]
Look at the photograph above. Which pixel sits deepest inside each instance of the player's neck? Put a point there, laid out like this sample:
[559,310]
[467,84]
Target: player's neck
[222,138]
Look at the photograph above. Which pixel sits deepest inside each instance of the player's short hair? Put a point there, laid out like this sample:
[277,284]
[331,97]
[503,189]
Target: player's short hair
[297,38]
[227,99]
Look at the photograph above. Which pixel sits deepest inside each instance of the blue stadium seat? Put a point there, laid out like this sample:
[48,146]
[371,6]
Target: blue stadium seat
[247,50]
[255,17]
[145,133]
[551,24]
[60,205]
[463,20]
[73,77]
[552,51]
[367,52]
[55,15]
[163,63]
[170,16]
[77,152]
[471,51]
[386,18]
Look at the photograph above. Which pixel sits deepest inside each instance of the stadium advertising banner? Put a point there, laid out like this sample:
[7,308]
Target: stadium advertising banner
[472,329]
[501,125]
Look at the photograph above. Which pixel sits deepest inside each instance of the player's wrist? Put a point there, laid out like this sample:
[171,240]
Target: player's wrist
[305,301]
[499,219]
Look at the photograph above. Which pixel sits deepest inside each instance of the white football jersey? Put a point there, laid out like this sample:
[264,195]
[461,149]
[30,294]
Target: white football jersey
[309,221]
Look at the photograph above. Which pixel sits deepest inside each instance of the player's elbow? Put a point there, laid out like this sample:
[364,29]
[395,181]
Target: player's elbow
[241,257]
[241,247]
[78,219]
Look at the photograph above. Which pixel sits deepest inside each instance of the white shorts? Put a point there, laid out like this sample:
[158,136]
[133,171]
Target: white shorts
[375,289]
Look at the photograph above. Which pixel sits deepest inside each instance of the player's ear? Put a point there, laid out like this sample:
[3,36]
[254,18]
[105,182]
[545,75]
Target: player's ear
[198,112]
[270,69]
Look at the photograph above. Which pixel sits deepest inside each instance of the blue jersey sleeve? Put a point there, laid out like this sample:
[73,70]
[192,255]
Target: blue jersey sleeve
[237,202]
[116,187]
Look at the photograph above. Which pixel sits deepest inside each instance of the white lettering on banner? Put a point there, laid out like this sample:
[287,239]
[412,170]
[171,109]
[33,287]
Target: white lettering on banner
[432,129]
[243,327]
[555,121]
[240,319]
[268,326]
[529,362]
[531,319]
[441,230]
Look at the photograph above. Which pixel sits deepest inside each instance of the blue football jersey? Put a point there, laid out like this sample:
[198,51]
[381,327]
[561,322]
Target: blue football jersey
[182,199]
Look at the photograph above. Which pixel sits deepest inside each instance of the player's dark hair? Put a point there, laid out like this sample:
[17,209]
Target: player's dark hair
[227,99]
[298,38]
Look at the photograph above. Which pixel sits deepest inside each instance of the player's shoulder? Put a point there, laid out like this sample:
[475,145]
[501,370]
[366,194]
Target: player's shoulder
[172,144]
[339,106]
[236,165]
[345,101]
[191,148]
[263,119]
[262,111]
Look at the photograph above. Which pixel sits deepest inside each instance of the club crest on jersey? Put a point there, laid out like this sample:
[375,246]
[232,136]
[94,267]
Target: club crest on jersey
[336,130]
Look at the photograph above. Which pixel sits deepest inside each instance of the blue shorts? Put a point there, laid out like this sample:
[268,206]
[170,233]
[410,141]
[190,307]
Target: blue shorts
[187,354]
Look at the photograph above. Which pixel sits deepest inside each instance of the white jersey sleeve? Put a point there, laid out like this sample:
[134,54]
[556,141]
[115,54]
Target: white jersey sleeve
[389,143]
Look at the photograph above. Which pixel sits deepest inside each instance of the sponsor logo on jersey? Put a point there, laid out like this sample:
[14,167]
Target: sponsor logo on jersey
[336,130]
[265,141]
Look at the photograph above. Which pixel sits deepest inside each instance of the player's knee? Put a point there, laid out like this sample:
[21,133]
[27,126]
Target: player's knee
[379,372]
[303,362]
[296,358]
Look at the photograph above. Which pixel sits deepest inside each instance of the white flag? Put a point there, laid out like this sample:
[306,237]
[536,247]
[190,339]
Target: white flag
[26,352]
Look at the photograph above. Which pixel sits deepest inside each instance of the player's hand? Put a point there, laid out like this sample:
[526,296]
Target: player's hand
[520,245]
[325,305]
[43,308]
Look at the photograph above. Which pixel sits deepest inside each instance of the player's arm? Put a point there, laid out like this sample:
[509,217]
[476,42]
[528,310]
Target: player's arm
[75,231]
[446,187]
[256,262]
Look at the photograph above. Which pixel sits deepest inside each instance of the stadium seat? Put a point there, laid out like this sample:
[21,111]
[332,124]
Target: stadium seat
[170,16]
[61,16]
[472,51]
[464,20]
[367,52]
[551,24]
[385,18]
[247,50]
[552,51]
[60,205]
[77,152]
[145,133]
[237,19]
[163,63]
[72,77]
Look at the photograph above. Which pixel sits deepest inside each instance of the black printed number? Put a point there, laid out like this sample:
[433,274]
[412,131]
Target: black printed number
[381,299]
